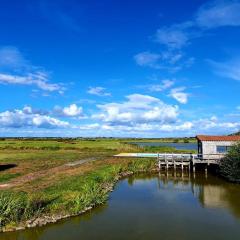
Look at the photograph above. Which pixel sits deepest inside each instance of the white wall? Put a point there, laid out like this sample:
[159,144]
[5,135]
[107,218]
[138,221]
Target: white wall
[210,147]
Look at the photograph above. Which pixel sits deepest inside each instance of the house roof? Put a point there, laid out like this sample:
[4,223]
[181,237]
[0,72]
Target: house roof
[217,138]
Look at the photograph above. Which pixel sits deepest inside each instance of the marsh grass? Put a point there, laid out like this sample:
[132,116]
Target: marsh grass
[86,186]
[70,196]
[15,208]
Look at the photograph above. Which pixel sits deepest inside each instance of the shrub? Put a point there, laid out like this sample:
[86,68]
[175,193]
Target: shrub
[230,164]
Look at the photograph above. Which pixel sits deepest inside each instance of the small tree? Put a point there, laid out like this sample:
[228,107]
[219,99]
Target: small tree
[230,164]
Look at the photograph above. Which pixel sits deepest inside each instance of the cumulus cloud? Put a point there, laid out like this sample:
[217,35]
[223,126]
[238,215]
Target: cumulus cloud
[219,13]
[28,118]
[228,69]
[70,111]
[179,94]
[137,109]
[98,91]
[16,70]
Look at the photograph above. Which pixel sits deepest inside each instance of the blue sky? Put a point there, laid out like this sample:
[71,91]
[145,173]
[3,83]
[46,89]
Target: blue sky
[119,68]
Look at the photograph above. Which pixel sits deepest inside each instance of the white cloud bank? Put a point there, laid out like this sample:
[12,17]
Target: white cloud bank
[27,117]
[137,109]
[140,115]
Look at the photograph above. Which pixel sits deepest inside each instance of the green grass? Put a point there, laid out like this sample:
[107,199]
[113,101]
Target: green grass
[60,193]
[4,177]
[71,195]
[73,144]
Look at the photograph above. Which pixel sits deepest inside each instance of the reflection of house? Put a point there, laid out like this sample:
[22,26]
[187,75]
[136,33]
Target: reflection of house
[214,196]
[213,146]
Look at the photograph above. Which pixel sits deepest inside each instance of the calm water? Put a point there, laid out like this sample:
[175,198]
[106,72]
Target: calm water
[178,146]
[154,207]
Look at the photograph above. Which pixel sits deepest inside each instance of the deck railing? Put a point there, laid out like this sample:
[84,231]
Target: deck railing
[189,156]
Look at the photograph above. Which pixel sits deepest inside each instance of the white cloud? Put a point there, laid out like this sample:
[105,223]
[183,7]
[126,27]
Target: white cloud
[179,94]
[70,111]
[11,57]
[93,126]
[170,60]
[173,37]
[27,118]
[99,91]
[165,84]
[219,13]
[211,15]
[137,109]
[229,69]
[214,125]
[15,69]
[38,79]
[147,59]
[177,36]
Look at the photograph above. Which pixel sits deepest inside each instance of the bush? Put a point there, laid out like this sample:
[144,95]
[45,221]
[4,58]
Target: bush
[230,164]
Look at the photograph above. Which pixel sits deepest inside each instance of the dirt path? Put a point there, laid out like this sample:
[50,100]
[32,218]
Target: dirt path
[19,181]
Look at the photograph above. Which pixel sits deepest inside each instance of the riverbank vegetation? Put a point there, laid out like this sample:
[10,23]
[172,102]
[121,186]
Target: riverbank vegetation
[51,178]
[230,164]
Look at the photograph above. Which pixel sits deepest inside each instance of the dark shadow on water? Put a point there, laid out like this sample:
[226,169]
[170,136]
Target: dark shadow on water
[4,167]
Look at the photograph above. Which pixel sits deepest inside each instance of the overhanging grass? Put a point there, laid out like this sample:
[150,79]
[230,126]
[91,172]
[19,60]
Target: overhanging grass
[69,196]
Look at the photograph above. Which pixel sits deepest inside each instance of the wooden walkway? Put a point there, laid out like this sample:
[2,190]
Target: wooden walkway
[178,160]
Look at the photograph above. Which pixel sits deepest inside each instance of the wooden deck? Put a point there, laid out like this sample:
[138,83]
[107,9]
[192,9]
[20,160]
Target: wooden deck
[178,160]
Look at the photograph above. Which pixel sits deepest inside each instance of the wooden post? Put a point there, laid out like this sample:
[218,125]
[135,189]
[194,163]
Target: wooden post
[159,163]
[206,171]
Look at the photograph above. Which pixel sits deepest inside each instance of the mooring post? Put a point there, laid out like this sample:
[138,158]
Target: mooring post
[159,163]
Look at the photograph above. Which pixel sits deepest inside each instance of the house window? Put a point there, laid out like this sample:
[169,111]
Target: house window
[223,149]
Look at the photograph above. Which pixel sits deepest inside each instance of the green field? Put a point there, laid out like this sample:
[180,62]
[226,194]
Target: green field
[36,179]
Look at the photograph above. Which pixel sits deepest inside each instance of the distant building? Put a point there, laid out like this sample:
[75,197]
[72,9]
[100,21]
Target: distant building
[211,147]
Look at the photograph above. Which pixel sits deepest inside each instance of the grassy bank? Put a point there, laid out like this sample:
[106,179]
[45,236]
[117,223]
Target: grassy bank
[37,182]
[69,196]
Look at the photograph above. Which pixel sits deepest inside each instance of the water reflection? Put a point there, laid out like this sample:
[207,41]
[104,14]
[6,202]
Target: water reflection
[173,205]
[211,190]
